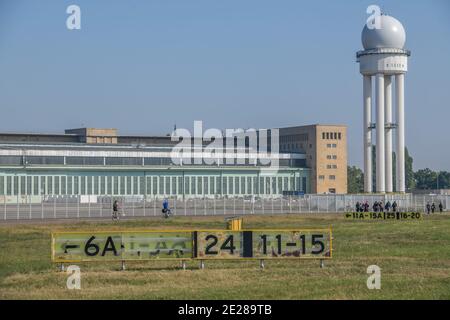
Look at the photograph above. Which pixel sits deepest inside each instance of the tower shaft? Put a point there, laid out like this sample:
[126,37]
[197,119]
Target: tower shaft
[367,133]
[380,165]
[400,92]
[388,131]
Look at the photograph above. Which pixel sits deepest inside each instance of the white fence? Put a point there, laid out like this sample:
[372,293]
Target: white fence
[78,207]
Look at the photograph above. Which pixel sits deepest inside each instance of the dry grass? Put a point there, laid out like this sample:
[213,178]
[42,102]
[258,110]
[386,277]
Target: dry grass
[414,258]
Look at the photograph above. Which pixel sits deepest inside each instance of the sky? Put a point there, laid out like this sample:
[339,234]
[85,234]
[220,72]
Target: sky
[143,66]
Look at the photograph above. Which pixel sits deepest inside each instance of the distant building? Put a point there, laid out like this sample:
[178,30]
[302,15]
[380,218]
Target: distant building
[91,161]
[325,148]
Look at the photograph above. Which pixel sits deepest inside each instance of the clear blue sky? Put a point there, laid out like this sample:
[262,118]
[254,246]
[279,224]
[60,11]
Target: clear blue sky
[141,66]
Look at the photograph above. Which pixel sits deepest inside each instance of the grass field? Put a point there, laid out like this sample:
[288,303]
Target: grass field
[414,257]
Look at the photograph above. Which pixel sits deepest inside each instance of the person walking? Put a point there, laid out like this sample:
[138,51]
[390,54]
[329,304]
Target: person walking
[433,208]
[387,206]
[115,213]
[366,206]
[394,206]
[375,206]
[428,208]
[441,207]
[358,207]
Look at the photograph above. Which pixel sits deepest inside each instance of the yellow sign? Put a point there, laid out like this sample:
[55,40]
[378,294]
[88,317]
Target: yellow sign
[383,215]
[109,246]
[183,245]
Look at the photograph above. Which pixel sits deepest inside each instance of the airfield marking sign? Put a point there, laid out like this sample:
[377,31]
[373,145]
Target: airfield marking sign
[187,245]
[383,215]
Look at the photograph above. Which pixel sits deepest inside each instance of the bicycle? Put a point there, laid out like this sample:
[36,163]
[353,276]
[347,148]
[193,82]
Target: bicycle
[167,213]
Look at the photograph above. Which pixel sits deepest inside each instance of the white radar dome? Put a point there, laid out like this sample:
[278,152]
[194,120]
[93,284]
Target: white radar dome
[391,34]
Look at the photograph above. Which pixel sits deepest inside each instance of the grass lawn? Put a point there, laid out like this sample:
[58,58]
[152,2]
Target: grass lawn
[414,257]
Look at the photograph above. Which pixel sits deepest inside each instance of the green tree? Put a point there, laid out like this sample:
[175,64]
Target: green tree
[425,179]
[443,180]
[355,180]
[410,181]
[409,172]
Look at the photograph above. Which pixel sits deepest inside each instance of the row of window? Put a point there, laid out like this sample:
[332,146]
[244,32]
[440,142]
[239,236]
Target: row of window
[331,136]
[332,157]
[332,145]
[331,166]
[150,185]
[125,161]
[331,177]
[294,137]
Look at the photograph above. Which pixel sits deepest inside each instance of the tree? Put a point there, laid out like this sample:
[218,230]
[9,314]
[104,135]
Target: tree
[355,180]
[410,182]
[443,180]
[425,179]
[409,172]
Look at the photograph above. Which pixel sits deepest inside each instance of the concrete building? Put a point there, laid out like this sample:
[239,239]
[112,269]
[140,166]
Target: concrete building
[90,161]
[325,149]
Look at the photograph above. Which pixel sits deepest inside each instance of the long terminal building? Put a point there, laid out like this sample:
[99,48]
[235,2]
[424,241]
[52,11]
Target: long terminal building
[92,161]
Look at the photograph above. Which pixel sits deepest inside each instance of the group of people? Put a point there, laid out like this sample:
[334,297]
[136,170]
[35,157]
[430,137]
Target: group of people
[377,206]
[431,208]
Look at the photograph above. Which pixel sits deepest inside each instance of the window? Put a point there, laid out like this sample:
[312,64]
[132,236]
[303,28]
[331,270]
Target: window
[56,185]
[30,185]
[199,185]
[11,160]
[321,177]
[122,185]
[44,160]
[193,186]
[161,186]
[103,185]
[50,185]
[332,177]
[334,145]
[84,161]
[230,185]
[323,135]
[76,185]
[339,136]
[89,185]
[328,135]
[116,185]
[122,161]
[218,185]
[141,186]
[69,185]
[155,186]
[186,185]
[211,185]
[249,185]
[128,179]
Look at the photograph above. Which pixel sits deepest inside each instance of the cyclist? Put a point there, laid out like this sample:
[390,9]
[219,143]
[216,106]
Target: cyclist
[166,209]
